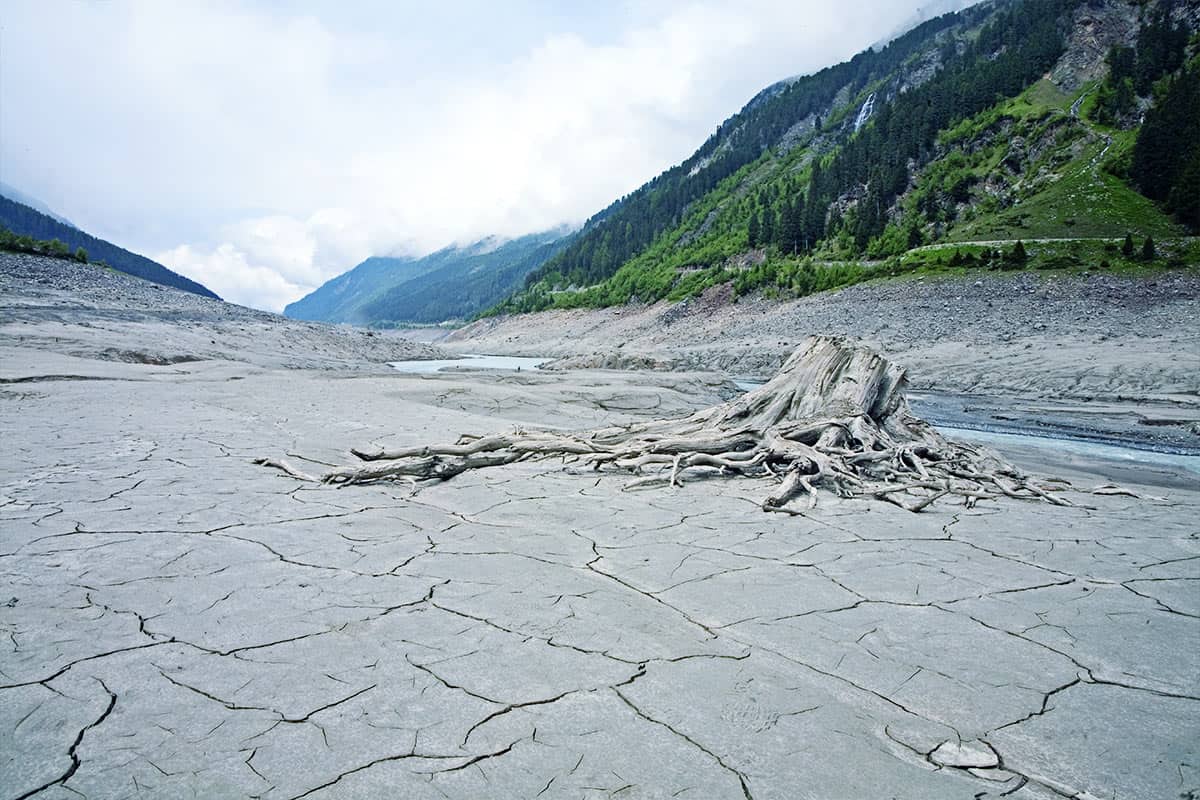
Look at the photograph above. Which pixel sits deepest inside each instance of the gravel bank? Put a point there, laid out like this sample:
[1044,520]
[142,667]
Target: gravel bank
[1082,337]
[82,311]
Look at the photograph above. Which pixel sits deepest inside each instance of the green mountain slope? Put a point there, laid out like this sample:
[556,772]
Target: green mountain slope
[22,220]
[990,124]
[453,283]
[465,285]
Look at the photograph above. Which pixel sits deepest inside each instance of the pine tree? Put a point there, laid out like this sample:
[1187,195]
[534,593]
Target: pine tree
[1127,248]
[1160,49]
[1019,256]
[755,229]
[1184,200]
[1148,249]
[782,239]
[1169,139]
[915,237]
[1122,63]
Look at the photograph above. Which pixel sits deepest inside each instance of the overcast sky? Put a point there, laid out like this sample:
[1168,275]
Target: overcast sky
[262,148]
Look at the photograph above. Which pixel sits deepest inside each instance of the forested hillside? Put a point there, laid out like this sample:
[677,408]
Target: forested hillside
[1166,159]
[466,284]
[17,196]
[339,299]
[1019,120]
[453,283]
[25,221]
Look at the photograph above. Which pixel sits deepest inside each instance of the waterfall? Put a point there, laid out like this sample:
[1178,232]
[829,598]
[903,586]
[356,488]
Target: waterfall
[864,113]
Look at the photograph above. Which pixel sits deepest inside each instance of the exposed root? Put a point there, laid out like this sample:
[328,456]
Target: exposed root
[280,464]
[834,418]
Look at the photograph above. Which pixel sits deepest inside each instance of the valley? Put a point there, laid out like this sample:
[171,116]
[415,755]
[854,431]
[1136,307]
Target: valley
[856,455]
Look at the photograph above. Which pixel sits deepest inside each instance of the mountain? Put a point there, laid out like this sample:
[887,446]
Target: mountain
[924,13]
[338,299]
[1008,120]
[24,220]
[453,283]
[16,195]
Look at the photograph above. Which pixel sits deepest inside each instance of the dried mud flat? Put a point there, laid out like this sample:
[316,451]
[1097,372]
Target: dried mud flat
[175,621]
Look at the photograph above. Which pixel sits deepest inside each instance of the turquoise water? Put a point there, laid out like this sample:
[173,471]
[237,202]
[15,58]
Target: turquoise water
[470,362]
[1097,450]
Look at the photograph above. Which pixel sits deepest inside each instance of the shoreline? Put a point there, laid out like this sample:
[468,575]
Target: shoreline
[1121,426]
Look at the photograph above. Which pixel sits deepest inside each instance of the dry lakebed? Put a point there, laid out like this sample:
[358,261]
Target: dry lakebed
[177,621]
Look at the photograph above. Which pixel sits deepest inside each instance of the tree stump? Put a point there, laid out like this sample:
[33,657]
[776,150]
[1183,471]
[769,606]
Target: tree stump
[834,417]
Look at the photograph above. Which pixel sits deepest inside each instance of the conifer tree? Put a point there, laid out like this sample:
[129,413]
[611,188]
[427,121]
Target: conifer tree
[1184,199]
[1019,256]
[1127,248]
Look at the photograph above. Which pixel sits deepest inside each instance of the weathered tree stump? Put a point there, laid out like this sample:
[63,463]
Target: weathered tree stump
[834,417]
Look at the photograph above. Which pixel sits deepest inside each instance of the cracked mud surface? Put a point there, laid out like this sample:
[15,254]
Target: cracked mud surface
[176,622]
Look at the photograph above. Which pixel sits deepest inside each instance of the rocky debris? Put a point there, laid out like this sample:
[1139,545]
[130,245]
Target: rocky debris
[1082,336]
[100,314]
[1098,26]
[606,360]
[798,133]
[919,71]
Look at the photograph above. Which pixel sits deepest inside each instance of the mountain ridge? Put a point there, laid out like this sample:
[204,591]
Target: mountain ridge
[25,220]
[17,196]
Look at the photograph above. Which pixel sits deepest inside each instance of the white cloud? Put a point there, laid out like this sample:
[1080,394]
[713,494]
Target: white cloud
[263,151]
[226,271]
[269,261]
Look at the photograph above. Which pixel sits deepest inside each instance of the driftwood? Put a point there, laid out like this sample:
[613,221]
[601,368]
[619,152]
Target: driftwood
[834,418]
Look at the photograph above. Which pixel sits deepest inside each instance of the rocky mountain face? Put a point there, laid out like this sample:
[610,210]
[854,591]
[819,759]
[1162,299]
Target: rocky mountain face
[453,283]
[1096,28]
[1008,120]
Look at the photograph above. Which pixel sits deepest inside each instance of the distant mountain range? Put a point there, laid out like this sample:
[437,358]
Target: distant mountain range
[39,222]
[454,283]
